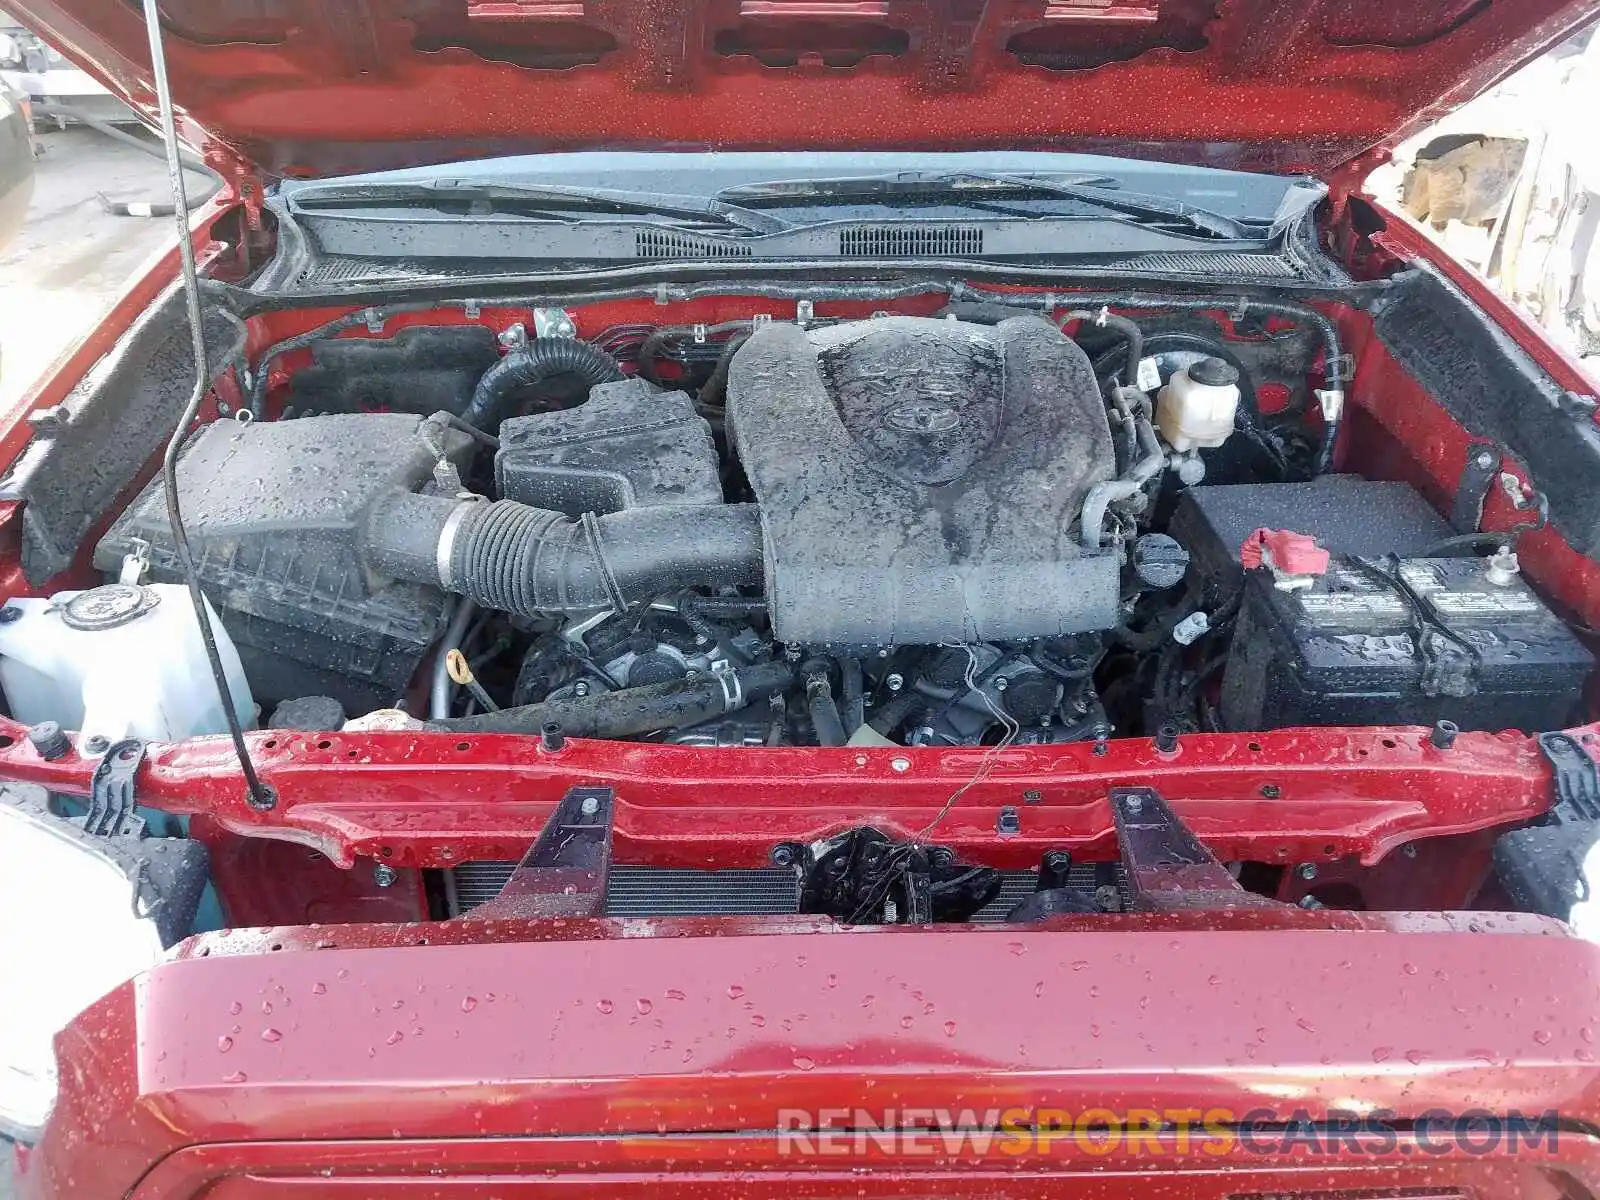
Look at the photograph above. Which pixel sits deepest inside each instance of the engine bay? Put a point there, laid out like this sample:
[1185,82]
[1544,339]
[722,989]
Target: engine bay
[961,529]
[1166,541]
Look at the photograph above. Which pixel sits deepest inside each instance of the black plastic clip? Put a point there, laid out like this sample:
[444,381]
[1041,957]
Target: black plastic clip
[1577,779]
[111,792]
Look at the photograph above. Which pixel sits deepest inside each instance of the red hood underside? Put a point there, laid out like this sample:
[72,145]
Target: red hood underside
[344,85]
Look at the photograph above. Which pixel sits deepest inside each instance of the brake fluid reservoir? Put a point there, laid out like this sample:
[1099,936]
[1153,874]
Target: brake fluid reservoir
[118,661]
[1198,406]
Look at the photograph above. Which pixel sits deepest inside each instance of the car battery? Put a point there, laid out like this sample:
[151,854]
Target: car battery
[1388,641]
[1345,513]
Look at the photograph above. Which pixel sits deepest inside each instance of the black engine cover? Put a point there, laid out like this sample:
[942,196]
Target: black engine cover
[921,480]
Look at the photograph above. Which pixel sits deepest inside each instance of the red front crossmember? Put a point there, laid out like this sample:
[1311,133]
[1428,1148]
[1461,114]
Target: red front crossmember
[435,800]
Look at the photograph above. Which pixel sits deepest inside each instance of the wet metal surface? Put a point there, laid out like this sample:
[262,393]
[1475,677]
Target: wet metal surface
[59,275]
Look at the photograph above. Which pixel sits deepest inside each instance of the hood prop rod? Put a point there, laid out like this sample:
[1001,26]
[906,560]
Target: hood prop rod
[259,795]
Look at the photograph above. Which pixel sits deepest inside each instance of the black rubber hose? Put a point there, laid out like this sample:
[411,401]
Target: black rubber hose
[722,607]
[466,427]
[1335,368]
[514,558]
[138,208]
[888,717]
[1130,331]
[824,710]
[634,711]
[714,393]
[852,690]
[652,345]
[528,369]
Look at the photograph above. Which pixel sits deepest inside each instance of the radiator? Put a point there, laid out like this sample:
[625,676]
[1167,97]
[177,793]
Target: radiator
[636,891]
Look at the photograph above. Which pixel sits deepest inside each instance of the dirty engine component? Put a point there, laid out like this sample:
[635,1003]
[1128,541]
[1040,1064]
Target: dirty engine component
[922,480]
[898,530]
[276,514]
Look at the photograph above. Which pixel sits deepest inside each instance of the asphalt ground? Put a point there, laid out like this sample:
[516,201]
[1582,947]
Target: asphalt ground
[60,274]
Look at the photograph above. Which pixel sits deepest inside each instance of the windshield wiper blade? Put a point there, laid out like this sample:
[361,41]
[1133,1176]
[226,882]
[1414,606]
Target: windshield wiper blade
[908,183]
[1145,207]
[1091,190]
[619,201]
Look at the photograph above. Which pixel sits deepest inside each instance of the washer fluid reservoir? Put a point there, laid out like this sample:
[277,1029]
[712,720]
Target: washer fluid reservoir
[118,661]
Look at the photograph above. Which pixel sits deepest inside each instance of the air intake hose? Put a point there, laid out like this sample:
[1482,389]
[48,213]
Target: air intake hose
[523,560]
[529,368]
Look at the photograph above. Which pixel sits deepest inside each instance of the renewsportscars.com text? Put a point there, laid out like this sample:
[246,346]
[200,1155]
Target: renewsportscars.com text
[843,1133]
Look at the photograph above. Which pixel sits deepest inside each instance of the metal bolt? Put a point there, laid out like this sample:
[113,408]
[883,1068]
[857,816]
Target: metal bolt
[1311,902]
[1134,804]
[590,806]
[48,739]
[384,875]
[1271,791]
[900,764]
[1485,460]
[895,681]
[550,737]
[1444,734]
[581,688]
[1001,683]
[98,744]
[1409,850]
[1308,871]
[1167,737]
[782,855]
[1057,861]
[1032,796]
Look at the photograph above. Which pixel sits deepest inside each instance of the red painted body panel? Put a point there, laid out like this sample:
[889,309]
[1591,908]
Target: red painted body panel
[1278,84]
[623,1038]
[699,1169]
[432,800]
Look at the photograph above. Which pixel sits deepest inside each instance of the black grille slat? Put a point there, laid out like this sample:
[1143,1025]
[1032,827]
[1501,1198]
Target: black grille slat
[637,891]
[664,243]
[331,270]
[890,241]
[1259,266]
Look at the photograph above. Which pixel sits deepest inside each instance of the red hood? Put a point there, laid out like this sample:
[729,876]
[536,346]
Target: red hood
[335,86]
